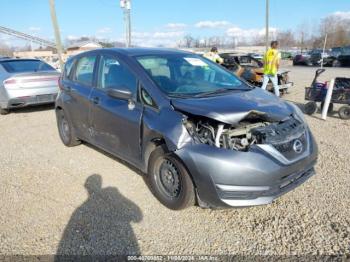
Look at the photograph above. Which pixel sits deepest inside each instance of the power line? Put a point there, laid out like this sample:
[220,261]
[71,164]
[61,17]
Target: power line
[28,37]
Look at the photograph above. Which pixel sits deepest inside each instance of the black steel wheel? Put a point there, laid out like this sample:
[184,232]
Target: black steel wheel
[310,108]
[169,180]
[4,111]
[66,130]
[344,112]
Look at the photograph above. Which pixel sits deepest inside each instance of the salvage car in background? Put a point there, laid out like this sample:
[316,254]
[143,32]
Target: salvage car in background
[251,69]
[302,59]
[343,58]
[25,82]
[197,132]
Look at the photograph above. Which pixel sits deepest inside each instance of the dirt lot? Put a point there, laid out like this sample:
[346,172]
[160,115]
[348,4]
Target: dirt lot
[52,199]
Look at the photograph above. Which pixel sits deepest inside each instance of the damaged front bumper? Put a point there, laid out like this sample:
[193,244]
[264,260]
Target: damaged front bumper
[225,178]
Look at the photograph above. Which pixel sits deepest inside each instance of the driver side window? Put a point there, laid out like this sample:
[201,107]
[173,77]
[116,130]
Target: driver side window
[113,74]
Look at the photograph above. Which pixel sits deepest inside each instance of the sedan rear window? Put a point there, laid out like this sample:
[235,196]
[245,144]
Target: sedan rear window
[23,66]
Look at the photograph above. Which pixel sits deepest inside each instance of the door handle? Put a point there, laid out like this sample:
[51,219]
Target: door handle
[95,100]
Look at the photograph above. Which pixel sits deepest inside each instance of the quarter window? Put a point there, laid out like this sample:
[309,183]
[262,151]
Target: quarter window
[84,72]
[114,75]
[68,69]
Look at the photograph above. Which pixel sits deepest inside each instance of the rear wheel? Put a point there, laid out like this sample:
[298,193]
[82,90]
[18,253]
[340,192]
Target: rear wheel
[344,112]
[310,108]
[336,63]
[4,111]
[169,181]
[330,108]
[66,129]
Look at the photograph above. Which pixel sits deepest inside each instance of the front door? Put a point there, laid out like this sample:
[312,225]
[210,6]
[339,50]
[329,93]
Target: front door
[116,122]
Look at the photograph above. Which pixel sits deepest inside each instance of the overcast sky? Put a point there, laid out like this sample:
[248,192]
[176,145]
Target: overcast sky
[163,21]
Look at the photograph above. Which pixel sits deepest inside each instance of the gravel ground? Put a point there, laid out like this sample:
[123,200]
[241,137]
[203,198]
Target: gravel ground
[81,201]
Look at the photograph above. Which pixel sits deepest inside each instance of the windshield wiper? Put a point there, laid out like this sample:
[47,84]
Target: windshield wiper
[220,90]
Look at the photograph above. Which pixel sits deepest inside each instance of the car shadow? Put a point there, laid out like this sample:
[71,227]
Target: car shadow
[101,226]
[31,109]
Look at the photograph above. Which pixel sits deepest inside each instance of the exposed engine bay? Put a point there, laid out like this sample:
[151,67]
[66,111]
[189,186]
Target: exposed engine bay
[246,133]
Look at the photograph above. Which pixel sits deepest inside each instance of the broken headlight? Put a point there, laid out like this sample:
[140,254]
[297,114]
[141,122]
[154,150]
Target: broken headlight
[298,114]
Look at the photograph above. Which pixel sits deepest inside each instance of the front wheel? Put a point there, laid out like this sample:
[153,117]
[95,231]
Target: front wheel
[66,130]
[4,111]
[344,112]
[169,181]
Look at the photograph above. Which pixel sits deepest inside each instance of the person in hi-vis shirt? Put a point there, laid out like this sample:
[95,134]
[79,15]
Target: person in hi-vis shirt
[271,65]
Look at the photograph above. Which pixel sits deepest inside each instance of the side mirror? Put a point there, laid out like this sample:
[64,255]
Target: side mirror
[120,93]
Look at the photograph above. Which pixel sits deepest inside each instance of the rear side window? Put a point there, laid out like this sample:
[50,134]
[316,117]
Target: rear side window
[84,72]
[23,66]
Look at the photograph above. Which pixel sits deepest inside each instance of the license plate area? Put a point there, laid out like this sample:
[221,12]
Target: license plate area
[45,98]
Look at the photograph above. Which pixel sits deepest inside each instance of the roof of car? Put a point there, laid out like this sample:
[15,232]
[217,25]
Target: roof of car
[148,51]
[8,59]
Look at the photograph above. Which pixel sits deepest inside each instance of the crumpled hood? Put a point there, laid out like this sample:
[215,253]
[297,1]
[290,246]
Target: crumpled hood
[231,108]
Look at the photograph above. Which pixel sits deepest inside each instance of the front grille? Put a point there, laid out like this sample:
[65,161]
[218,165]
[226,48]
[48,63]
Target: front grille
[289,150]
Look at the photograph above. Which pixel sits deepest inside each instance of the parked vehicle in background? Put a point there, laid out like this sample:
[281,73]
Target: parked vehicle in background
[336,57]
[25,82]
[251,69]
[259,57]
[197,132]
[302,59]
[314,58]
[285,55]
[343,58]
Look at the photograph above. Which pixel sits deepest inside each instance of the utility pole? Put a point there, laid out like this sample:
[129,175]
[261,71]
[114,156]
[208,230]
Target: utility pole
[267,24]
[126,6]
[57,32]
[323,51]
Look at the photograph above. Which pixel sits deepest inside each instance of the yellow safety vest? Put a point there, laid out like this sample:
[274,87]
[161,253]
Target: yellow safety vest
[271,59]
[214,57]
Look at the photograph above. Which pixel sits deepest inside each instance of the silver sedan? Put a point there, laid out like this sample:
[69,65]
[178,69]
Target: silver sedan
[25,82]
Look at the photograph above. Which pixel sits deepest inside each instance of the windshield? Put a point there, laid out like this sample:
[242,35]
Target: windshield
[22,66]
[346,51]
[189,75]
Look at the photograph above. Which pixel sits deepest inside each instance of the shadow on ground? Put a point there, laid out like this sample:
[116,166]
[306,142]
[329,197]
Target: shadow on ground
[101,226]
[31,109]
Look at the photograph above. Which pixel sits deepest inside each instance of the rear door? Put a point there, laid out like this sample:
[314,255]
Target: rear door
[116,122]
[77,88]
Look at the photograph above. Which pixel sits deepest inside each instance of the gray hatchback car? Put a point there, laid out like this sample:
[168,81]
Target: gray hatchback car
[198,133]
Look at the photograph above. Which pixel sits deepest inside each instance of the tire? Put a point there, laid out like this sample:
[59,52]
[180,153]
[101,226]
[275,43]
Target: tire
[330,108]
[336,63]
[310,108]
[4,111]
[66,130]
[169,180]
[344,112]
